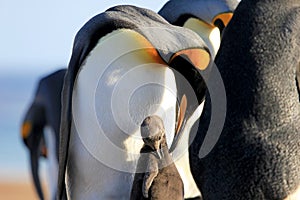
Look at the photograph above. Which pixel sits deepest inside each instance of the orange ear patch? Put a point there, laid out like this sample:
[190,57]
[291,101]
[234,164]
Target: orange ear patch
[148,48]
[144,45]
[200,58]
[26,129]
[154,54]
[225,17]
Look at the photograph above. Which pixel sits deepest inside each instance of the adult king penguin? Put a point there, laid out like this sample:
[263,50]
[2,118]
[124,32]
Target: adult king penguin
[206,18]
[127,63]
[258,153]
[40,129]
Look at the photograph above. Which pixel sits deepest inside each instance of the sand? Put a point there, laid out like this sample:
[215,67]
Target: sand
[17,191]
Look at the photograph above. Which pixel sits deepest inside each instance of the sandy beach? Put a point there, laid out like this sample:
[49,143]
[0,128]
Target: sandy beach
[17,191]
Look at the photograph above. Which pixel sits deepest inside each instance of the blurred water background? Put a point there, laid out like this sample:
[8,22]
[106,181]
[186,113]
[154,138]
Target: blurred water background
[36,39]
[16,91]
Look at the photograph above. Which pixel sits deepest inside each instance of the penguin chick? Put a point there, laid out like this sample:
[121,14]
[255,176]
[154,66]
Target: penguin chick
[156,175]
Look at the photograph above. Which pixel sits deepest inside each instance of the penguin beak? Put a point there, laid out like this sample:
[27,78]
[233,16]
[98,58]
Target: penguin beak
[158,150]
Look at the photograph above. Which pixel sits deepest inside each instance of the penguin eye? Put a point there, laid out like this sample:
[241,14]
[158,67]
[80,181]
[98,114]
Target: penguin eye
[159,137]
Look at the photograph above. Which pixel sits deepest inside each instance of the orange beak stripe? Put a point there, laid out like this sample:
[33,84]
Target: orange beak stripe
[200,58]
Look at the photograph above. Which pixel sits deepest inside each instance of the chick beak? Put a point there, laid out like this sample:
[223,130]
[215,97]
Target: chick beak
[158,150]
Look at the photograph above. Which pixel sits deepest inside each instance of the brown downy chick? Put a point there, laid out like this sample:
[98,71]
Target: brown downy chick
[156,175]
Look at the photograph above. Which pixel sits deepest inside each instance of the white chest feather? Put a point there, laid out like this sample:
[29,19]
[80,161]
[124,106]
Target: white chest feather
[115,89]
[51,162]
[113,93]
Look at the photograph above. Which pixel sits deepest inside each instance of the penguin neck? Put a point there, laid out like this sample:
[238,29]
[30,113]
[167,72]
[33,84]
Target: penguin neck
[167,158]
[263,94]
[163,143]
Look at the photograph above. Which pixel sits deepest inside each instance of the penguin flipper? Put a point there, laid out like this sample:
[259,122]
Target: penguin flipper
[34,162]
[64,135]
[32,134]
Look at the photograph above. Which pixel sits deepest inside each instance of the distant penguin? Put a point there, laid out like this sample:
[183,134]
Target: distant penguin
[40,129]
[158,177]
[206,18]
[258,153]
[127,63]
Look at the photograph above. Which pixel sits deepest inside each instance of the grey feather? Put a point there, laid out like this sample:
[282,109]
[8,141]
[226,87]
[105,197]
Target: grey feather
[258,153]
[201,9]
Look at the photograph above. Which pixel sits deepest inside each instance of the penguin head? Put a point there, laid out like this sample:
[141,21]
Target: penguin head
[207,18]
[153,133]
[32,125]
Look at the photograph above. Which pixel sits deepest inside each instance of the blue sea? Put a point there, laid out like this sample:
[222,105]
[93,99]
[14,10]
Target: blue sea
[16,93]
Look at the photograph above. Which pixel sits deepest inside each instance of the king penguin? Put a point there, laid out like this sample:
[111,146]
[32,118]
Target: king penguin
[40,129]
[122,69]
[207,18]
[257,155]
